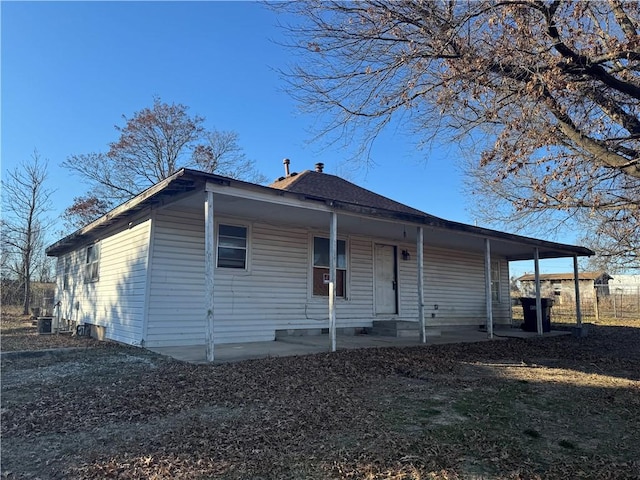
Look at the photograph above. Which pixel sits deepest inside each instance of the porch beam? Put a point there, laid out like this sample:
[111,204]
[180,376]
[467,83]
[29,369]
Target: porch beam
[420,260]
[278,198]
[209,256]
[536,264]
[487,286]
[576,284]
[333,261]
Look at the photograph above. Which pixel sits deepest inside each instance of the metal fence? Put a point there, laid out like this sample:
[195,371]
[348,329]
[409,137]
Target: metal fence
[41,299]
[604,301]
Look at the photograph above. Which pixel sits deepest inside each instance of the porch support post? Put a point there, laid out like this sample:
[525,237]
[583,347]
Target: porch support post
[576,283]
[487,286]
[209,256]
[333,261]
[536,259]
[420,256]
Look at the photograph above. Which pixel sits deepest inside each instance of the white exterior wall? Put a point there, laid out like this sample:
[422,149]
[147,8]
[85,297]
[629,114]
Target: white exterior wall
[176,309]
[116,300]
[274,293]
[455,282]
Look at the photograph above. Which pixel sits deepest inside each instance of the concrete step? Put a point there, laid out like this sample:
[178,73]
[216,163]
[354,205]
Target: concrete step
[401,329]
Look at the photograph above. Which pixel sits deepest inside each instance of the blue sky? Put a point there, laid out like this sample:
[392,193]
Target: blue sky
[70,70]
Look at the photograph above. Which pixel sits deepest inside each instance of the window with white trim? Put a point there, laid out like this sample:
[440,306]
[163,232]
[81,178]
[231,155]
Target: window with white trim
[495,281]
[321,267]
[232,246]
[91,272]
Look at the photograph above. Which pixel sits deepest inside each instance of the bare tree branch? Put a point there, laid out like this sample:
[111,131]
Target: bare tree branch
[152,145]
[26,200]
[548,90]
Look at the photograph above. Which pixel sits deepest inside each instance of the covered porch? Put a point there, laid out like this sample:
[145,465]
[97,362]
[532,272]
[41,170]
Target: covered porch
[301,254]
[388,225]
[314,344]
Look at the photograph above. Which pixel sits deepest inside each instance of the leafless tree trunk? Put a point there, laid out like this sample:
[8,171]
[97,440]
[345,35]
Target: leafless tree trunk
[26,200]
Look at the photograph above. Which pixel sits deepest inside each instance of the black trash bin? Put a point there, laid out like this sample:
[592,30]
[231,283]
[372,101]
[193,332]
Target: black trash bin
[530,318]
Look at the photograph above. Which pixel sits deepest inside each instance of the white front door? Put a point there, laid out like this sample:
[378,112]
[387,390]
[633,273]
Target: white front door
[386,283]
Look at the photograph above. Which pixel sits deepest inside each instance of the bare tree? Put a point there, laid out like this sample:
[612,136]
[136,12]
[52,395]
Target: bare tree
[221,153]
[26,201]
[549,91]
[154,144]
[83,211]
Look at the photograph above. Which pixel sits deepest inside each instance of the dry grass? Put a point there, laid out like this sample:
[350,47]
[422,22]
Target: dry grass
[565,314]
[20,332]
[553,408]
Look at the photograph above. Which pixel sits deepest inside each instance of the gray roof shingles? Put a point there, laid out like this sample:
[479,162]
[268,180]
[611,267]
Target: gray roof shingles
[326,186]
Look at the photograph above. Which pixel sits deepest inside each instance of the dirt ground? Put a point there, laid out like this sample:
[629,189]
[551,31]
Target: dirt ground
[553,408]
[20,332]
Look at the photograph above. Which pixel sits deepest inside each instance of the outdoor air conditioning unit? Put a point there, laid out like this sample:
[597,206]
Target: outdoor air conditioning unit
[45,325]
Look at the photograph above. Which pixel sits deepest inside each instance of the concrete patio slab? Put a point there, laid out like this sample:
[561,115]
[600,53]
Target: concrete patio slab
[312,344]
[236,352]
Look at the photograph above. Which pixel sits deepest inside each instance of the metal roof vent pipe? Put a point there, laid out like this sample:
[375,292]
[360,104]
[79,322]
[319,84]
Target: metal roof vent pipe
[319,167]
[286,163]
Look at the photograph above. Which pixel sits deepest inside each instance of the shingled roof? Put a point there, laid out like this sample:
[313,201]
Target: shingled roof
[529,277]
[307,188]
[326,186]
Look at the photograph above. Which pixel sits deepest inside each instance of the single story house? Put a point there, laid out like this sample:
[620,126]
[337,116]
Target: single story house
[560,286]
[201,259]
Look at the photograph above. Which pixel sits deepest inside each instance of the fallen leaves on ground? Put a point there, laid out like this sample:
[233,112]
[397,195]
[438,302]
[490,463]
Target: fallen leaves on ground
[440,411]
[20,333]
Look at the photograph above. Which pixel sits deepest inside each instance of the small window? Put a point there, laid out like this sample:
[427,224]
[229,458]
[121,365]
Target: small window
[92,262]
[495,281]
[232,246]
[321,267]
[557,288]
[67,273]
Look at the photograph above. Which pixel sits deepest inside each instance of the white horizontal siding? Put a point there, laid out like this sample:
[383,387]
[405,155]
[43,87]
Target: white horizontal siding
[502,309]
[408,284]
[275,292]
[116,300]
[454,281]
[275,295]
[249,305]
[74,292]
[176,308]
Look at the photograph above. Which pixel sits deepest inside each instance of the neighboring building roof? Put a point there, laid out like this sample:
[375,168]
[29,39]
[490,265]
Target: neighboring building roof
[530,277]
[324,185]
